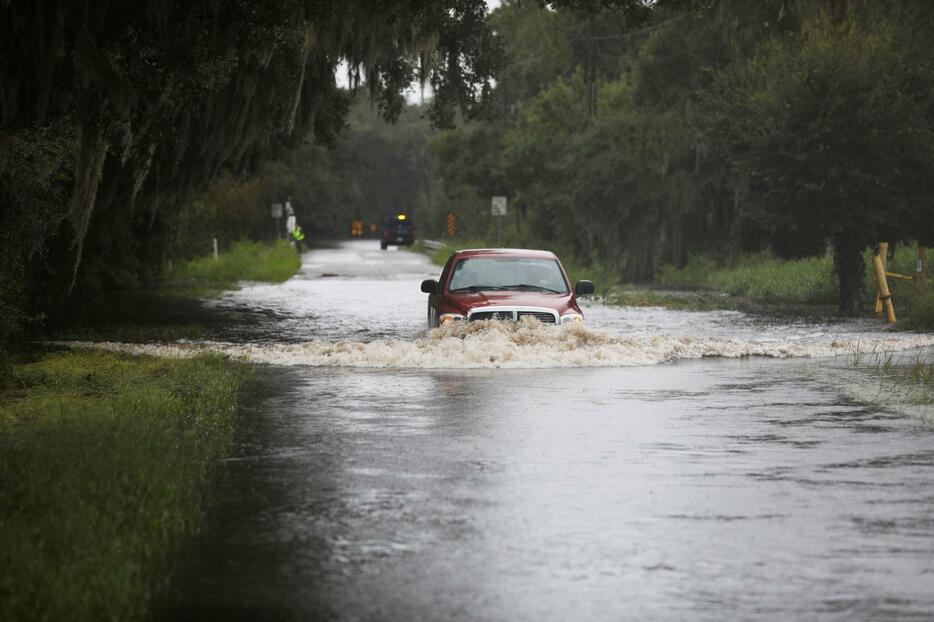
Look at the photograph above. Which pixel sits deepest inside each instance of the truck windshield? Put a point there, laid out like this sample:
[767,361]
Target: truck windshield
[478,273]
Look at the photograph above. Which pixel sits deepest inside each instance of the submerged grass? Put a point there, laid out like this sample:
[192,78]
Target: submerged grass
[104,460]
[903,379]
[243,261]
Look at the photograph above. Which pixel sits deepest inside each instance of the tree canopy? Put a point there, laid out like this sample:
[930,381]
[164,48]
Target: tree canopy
[114,115]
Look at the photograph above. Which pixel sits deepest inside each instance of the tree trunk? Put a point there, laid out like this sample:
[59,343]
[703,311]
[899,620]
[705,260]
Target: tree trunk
[850,269]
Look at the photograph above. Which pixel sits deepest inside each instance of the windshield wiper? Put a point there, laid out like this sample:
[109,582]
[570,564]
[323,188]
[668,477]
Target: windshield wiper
[536,287]
[477,288]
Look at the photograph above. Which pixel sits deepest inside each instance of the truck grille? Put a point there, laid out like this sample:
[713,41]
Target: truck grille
[541,316]
[491,315]
[545,317]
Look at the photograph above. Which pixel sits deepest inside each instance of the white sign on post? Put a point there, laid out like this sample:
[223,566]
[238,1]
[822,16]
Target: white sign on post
[277,210]
[499,206]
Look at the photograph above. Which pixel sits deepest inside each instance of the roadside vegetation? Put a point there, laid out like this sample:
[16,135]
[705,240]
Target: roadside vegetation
[765,279]
[104,465]
[243,261]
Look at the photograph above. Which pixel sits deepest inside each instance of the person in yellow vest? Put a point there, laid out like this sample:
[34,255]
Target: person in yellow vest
[298,235]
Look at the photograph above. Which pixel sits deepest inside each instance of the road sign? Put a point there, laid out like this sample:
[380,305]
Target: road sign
[499,206]
[276,210]
[451,222]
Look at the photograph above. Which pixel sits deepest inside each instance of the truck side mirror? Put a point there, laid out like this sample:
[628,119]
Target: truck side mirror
[430,286]
[583,288]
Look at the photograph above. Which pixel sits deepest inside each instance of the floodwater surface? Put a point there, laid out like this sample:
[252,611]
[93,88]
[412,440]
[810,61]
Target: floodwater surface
[644,480]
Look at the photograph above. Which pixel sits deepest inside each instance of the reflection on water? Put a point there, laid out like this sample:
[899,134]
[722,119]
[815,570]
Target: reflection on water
[704,489]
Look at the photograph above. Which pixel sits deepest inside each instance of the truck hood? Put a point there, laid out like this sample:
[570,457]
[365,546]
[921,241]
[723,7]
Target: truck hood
[464,302]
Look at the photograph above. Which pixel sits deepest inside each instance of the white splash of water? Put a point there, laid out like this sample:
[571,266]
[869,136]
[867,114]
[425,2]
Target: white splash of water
[524,344]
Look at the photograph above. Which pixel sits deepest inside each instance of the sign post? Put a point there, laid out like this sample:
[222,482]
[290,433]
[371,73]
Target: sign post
[290,222]
[498,210]
[276,213]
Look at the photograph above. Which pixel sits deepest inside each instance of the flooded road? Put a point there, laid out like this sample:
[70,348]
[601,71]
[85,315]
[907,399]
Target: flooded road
[442,488]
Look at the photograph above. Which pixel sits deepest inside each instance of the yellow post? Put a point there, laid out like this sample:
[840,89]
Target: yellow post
[883,252]
[885,297]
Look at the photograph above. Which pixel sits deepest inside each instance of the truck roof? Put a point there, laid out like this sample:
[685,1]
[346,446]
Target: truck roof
[505,252]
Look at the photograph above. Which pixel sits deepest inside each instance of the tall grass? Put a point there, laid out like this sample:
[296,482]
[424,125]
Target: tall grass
[760,278]
[104,461]
[243,261]
[904,378]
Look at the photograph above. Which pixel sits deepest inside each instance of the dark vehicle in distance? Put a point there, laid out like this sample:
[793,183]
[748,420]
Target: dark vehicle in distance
[504,284]
[398,230]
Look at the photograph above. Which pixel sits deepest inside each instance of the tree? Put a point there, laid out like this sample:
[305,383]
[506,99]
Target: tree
[117,115]
[830,139]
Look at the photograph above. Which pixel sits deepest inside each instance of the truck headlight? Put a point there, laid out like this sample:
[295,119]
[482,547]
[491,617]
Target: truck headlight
[451,317]
[572,318]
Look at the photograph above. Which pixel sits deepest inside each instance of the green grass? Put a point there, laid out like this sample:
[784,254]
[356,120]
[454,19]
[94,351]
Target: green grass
[129,332]
[243,261]
[761,279]
[693,300]
[104,461]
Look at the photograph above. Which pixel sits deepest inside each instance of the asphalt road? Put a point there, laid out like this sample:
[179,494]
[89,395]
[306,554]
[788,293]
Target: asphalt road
[703,489]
